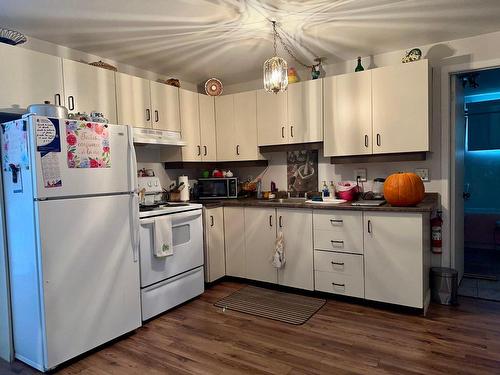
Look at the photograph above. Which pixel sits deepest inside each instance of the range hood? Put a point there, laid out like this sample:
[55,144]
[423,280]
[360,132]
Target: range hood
[157,137]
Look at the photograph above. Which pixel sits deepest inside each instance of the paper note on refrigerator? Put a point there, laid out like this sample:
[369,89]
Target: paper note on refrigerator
[51,171]
[47,135]
[14,144]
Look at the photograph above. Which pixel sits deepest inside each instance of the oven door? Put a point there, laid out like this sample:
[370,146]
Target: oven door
[187,237]
[213,188]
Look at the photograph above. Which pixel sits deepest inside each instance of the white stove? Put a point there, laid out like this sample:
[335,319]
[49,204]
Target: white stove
[171,250]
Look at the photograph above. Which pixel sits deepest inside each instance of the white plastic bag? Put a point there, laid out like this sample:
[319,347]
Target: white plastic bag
[279,260]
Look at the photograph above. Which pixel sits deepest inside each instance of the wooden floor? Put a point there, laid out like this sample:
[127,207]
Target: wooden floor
[198,338]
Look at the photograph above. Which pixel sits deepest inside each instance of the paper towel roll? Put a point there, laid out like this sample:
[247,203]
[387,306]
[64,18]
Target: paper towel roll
[185,190]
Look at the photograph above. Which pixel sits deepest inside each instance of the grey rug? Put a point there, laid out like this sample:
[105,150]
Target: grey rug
[285,307]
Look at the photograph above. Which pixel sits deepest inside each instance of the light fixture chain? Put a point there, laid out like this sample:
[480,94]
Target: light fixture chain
[284,45]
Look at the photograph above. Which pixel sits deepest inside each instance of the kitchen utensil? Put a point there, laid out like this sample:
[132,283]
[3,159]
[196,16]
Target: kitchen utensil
[48,110]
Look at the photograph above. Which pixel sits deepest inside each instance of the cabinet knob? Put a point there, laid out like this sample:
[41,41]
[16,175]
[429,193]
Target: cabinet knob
[291,131]
[71,102]
[280,222]
[341,285]
[282,132]
[157,116]
[270,220]
[337,242]
[337,263]
[379,139]
[57,99]
[366,140]
[237,149]
[205,153]
[148,114]
[369,226]
[199,150]
[211,220]
[336,221]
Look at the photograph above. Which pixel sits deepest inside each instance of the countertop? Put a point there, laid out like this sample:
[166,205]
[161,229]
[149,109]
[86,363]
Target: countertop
[429,204]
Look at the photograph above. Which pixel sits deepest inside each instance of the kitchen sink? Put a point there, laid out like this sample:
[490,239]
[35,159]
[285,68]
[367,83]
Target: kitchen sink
[284,201]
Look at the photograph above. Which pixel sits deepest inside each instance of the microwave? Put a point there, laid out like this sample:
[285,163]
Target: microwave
[217,188]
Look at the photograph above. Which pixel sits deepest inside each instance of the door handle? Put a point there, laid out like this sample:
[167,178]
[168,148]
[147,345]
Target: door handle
[71,102]
[205,153]
[339,221]
[57,99]
[280,222]
[211,220]
[366,140]
[148,114]
[237,149]
[369,226]
[199,150]
[379,139]
[291,131]
[282,132]
[157,116]
[271,220]
[337,263]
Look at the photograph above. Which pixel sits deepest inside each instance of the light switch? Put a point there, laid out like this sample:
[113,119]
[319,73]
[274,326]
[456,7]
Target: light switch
[423,173]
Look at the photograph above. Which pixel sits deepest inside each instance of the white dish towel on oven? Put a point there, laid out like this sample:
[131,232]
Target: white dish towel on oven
[163,244]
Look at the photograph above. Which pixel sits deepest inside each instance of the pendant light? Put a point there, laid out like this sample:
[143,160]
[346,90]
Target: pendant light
[275,70]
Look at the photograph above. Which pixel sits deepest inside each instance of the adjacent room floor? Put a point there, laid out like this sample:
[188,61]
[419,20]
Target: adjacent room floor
[482,274]
[198,338]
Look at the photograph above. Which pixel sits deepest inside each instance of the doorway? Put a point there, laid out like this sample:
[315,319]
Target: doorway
[477,169]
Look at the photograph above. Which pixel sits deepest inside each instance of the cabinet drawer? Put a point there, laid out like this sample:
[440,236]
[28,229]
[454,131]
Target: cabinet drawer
[346,285]
[337,241]
[341,263]
[344,228]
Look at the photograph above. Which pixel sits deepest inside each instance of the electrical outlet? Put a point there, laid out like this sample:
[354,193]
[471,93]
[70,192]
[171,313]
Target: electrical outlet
[361,173]
[423,173]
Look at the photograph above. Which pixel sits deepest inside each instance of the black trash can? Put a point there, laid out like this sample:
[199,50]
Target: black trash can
[444,285]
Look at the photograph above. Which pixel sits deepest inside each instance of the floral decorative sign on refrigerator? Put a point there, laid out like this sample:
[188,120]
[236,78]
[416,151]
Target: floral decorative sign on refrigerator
[88,145]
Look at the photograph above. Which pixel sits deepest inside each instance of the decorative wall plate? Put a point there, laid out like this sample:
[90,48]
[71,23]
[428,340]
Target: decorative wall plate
[213,87]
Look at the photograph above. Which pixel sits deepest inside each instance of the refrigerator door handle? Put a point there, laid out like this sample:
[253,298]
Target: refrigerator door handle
[133,189]
[136,224]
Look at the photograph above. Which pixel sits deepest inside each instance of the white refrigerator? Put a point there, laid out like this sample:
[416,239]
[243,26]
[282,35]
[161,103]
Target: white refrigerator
[71,223]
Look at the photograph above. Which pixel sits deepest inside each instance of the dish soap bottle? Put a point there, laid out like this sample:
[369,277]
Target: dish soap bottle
[359,67]
[332,189]
[325,191]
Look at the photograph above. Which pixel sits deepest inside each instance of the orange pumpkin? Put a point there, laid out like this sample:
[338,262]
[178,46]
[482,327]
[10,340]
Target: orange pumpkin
[404,189]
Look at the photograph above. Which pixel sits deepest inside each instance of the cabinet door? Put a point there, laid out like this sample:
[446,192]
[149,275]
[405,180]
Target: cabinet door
[28,77]
[224,122]
[133,101]
[207,128]
[215,263]
[190,126]
[165,105]
[260,236]
[234,241]
[272,126]
[296,225]
[401,108]
[245,119]
[348,114]
[88,89]
[305,111]
[393,258]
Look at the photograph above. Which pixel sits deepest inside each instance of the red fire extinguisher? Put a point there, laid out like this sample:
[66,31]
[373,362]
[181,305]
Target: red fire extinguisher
[437,233]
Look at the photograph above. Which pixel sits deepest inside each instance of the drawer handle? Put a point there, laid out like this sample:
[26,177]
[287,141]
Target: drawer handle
[339,221]
[342,285]
[337,242]
[337,263]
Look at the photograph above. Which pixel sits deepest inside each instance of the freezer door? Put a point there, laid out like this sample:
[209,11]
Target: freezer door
[90,273]
[119,177]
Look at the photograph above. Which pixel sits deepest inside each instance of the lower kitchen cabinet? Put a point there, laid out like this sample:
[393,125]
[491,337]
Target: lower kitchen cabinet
[397,258]
[215,263]
[296,225]
[260,237]
[234,238]
[339,273]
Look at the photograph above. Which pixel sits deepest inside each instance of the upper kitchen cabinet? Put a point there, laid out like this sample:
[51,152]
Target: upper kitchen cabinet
[348,114]
[88,89]
[207,127]
[133,99]
[165,106]
[236,122]
[272,127]
[305,111]
[190,125]
[401,108]
[295,116]
[28,77]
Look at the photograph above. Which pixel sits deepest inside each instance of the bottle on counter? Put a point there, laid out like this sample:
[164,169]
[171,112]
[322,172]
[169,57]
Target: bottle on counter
[332,189]
[324,190]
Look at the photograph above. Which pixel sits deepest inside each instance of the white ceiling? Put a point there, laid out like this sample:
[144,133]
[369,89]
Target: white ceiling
[230,39]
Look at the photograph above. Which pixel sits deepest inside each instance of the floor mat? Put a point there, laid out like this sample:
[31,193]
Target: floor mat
[272,304]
